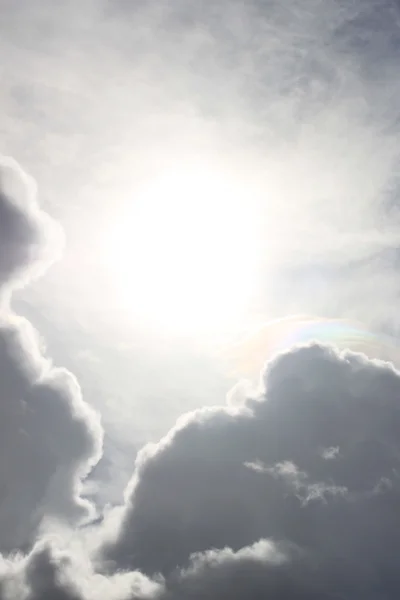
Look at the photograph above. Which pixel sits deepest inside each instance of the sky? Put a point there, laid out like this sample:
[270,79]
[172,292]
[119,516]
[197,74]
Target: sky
[199,282]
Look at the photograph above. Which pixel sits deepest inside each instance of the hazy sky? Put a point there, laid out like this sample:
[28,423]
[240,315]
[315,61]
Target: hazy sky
[196,171]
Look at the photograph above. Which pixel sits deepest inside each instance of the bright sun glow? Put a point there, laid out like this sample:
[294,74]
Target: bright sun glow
[184,255]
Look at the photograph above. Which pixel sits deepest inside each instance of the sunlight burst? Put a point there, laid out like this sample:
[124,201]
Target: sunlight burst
[184,255]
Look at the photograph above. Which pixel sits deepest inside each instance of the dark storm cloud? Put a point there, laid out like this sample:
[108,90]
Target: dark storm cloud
[49,438]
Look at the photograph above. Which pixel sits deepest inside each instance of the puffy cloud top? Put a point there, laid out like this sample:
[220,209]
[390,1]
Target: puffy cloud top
[312,462]
[29,239]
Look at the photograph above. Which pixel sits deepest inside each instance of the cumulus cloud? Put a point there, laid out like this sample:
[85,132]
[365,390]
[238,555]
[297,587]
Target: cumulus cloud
[29,239]
[312,462]
[290,493]
[262,570]
[49,438]
[51,572]
[293,494]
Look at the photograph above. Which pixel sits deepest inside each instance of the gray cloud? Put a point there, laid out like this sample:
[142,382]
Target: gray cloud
[299,98]
[229,476]
[49,438]
[51,572]
[262,570]
[293,494]
[29,239]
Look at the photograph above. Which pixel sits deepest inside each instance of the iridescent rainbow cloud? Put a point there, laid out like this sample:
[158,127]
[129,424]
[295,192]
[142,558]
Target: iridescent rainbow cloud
[249,355]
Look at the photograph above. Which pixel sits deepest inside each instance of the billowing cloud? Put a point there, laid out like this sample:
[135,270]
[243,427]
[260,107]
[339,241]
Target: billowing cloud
[29,239]
[293,493]
[53,573]
[313,462]
[49,438]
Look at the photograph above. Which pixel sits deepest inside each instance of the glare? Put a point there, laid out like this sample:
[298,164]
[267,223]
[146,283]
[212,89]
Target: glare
[183,255]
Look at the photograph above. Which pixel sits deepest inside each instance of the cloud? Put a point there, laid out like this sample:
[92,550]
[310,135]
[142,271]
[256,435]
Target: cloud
[52,572]
[292,490]
[298,101]
[49,437]
[290,494]
[229,476]
[293,493]
[29,239]
[262,570]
